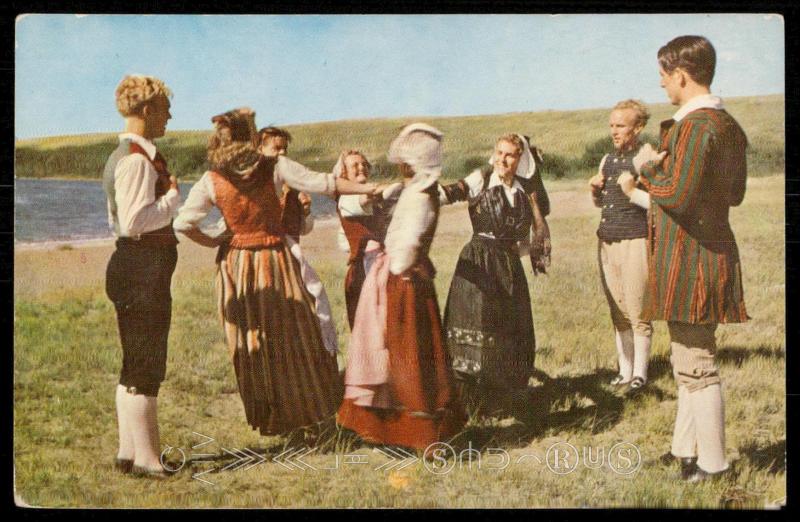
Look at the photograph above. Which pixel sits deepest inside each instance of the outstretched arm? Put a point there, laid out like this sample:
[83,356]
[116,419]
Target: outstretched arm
[462,189]
[300,178]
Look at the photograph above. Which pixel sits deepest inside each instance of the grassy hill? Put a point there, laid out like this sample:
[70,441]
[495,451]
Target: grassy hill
[572,141]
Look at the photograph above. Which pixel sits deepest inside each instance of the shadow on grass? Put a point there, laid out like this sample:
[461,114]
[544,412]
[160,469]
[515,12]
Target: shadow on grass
[581,402]
[568,403]
[771,459]
[660,365]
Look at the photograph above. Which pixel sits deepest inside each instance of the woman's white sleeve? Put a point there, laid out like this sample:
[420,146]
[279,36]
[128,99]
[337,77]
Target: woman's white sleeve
[300,178]
[197,206]
[475,182]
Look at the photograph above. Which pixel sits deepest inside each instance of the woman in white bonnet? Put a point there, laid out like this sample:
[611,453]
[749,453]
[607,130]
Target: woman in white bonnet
[487,319]
[399,384]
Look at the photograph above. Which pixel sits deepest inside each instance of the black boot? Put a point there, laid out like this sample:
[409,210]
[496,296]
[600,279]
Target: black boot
[688,467]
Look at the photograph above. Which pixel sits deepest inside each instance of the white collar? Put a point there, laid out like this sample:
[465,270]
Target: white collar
[143,142]
[702,101]
[495,180]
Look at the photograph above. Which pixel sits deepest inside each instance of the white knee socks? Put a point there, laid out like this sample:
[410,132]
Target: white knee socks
[641,355]
[144,427]
[625,353]
[126,446]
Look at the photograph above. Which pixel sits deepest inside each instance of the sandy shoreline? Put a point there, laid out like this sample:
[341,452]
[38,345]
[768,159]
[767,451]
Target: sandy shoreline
[53,266]
[69,244]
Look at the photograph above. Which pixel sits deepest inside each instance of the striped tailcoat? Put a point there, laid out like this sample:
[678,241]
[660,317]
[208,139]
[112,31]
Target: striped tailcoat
[695,274]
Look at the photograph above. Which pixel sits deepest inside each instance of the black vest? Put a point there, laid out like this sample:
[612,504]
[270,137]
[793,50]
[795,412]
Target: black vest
[620,219]
[491,213]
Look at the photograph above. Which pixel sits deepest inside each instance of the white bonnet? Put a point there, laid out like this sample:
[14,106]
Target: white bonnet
[420,146]
[527,166]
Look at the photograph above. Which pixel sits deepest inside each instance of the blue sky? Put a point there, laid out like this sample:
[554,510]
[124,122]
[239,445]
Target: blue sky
[298,69]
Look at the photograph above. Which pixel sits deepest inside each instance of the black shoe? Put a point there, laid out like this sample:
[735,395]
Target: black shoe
[161,473]
[123,465]
[635,386]
[619,380]
[688,467]
[667,458]
[637,382]
[688,464]
[702,476]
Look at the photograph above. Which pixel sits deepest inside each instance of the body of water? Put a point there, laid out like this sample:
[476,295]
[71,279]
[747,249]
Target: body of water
[65,210]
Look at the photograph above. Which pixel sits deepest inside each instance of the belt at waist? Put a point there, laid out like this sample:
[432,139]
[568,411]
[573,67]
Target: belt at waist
[504,243]
[163,236]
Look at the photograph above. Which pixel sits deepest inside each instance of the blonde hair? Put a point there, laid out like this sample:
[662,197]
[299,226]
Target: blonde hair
[512,139]
[136,90]
[353,152]
[639,108]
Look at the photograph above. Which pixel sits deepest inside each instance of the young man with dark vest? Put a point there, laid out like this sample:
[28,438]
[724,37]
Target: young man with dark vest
[142,201]
[622,246]
[695,279]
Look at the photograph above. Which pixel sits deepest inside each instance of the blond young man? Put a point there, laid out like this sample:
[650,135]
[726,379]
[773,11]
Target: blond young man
[142,200]
[622,245]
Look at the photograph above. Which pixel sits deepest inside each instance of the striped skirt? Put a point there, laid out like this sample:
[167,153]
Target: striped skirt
[286,377]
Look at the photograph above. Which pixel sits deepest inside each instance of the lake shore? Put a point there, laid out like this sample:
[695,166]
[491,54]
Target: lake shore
[47,266]
[52,266]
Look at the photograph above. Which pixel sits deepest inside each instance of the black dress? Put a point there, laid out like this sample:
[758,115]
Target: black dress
[487,319]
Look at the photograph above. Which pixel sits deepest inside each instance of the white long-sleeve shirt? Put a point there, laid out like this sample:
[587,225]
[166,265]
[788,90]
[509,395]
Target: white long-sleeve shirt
[138,210]
[202,198]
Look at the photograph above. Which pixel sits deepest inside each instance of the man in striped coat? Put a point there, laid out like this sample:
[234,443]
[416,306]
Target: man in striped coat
[695,277]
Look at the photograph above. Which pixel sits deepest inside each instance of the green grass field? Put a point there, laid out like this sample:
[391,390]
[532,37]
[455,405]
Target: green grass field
[67,359]
[572,141]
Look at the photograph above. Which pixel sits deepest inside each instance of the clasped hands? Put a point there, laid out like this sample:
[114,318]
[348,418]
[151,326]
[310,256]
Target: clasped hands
[627,180]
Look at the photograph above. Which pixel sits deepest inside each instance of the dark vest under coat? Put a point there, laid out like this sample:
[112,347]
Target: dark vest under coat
[620,219]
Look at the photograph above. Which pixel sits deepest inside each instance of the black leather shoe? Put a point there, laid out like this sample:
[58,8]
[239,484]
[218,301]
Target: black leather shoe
[667,458]
[688,467]
[123,465]
[637,382]
[635,386]
[619,380]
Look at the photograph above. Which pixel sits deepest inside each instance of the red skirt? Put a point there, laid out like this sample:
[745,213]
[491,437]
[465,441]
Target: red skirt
[421,378]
